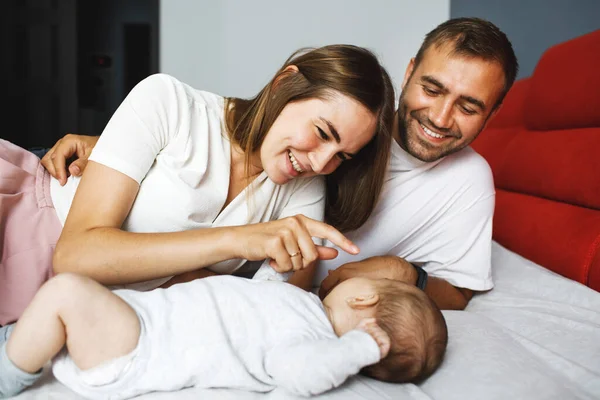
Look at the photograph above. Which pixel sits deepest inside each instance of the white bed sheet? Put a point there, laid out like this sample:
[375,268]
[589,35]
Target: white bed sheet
[535,336]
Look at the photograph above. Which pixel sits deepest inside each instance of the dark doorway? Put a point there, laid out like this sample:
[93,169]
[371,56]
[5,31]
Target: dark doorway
[38,70]
[67,64]
[138,49]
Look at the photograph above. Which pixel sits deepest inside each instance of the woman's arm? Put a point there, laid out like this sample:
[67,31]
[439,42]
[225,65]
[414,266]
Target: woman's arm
[93,244]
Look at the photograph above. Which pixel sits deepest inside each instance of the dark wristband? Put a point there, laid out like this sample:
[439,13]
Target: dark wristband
[421,277]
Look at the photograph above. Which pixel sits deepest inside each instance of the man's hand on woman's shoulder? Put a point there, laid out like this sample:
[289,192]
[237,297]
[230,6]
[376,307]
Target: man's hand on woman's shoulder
[77,147]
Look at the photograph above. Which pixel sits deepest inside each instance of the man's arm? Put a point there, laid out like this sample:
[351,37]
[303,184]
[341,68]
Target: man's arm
[446,296]
[71,147]
[443,294]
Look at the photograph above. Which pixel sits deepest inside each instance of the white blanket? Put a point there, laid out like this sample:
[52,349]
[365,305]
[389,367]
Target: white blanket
[535,336]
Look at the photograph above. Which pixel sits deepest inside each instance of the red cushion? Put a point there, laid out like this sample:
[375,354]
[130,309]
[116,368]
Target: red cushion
[594,272]
[511,111]
[558,165]
[546,169]
[564,87]
[559,236]
[492,144]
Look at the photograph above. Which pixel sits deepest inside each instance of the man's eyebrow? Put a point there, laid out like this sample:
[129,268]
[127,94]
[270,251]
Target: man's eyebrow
[474,101]
[334,132]
[435,82]
[470,99]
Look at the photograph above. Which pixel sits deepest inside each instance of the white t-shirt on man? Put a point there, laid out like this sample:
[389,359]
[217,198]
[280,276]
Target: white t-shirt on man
[171,139]
[437,215]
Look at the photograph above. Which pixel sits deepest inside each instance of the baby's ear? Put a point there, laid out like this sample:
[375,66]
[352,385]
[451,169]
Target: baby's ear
[363,301]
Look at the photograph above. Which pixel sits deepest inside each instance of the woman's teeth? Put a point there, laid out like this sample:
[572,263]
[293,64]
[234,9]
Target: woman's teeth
[295,163]
[431,133]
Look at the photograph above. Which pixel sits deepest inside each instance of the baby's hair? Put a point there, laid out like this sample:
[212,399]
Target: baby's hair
[417,331]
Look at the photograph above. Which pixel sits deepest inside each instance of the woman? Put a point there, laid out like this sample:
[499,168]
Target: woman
[173,160]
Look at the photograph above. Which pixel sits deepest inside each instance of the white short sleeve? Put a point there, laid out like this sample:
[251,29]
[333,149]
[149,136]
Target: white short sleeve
[142,126]
[464,248]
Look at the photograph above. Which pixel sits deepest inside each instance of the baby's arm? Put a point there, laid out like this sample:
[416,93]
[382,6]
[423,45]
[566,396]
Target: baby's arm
[315,366]
[268,273]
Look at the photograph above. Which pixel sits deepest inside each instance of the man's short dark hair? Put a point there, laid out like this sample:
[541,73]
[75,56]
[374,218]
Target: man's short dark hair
[478,38]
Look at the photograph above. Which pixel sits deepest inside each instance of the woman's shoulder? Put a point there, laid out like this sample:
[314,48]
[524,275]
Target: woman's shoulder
[166,87]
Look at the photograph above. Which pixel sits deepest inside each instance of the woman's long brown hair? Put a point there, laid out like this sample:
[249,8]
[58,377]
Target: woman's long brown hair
[353,189]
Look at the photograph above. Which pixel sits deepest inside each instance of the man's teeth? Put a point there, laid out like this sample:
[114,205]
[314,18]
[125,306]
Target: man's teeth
[431,133]
[295,163]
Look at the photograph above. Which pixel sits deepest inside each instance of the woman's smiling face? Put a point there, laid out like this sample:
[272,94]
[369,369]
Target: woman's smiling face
[313,137]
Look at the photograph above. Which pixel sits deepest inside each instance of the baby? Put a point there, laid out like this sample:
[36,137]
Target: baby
[221,332]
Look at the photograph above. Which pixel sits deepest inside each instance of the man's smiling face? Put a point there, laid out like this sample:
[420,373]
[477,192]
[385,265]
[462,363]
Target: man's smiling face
[446,101]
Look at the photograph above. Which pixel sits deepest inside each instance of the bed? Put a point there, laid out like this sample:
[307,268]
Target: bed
[536,335]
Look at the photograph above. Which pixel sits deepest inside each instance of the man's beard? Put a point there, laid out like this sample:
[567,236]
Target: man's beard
[418,147]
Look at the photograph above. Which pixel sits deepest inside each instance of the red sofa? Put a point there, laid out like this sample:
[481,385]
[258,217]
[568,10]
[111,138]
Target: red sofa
[544,151]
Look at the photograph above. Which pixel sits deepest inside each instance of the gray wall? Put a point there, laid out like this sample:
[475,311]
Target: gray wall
[233,47]
[533,25]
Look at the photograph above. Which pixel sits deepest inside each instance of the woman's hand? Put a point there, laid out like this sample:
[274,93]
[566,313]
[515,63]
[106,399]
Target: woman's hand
[288,242]
[78,146]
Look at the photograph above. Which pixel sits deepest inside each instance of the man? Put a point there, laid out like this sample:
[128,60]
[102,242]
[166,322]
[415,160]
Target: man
[437,204]
[433,224]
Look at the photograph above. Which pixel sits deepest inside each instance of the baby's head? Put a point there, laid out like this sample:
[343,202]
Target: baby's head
[416,327]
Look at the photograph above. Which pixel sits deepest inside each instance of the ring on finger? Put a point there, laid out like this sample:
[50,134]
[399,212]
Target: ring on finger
[295,254]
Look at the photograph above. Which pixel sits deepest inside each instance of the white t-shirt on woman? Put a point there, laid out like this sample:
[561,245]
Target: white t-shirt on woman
[171,139]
